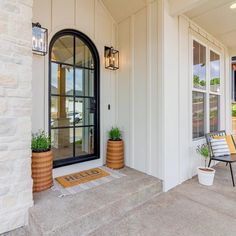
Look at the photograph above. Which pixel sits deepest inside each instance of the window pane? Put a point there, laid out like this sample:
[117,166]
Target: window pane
[198,114]
[61,79]
[62,143]
[199,66]
[84,82]
[84,141]
[214,112]
[63,49]
[62,111]
[84,111]
[83,56]
[214,72]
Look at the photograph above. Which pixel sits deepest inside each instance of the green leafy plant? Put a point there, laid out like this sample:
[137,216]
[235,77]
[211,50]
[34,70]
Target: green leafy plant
[196,80]
[234,110]
[203,150]
[40,142]
[215,81]
[115,134]
[203,83]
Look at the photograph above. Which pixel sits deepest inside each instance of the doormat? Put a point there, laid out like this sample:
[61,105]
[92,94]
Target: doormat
[81,177]
[84,180]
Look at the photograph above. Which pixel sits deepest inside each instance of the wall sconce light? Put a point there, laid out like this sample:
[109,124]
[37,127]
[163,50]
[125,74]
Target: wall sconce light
[39,39]
[111,58]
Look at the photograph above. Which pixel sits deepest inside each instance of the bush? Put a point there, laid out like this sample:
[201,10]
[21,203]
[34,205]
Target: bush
[40,142]
[196,80]
[215,81]
[115,134]
[234,110]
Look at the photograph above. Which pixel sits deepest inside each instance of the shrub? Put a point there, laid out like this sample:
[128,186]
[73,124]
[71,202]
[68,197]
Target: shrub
[115,134]
[40,142]
[196,80]
[203,83]
[215,81]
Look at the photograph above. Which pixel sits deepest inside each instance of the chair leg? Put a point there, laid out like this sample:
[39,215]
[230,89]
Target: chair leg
[232,175]
[226,164]
[209,163]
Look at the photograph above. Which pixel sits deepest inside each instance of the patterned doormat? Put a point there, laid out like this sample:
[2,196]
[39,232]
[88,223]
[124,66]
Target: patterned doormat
[81,181]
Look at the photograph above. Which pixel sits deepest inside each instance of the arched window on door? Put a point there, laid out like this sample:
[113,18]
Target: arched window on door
[73,98]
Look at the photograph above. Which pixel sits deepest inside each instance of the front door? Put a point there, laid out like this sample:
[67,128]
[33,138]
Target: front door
[73,98]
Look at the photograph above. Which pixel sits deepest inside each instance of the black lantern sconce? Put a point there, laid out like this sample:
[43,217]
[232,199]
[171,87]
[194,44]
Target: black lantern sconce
[39,39]
[111,58]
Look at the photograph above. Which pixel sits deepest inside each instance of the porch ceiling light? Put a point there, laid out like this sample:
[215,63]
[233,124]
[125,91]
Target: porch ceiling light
[39,39]
[111,58]
[233,6]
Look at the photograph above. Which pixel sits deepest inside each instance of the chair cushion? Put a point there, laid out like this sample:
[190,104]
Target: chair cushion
[219,147]
[229,141]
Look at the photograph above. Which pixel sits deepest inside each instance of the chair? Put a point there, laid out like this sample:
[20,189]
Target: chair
[228,159]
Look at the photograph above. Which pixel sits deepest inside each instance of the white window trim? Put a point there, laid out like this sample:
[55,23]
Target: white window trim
[207,91]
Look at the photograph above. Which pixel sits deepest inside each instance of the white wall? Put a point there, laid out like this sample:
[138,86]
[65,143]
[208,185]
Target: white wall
[155,94]
[137,89]
[179,155]
[91,18]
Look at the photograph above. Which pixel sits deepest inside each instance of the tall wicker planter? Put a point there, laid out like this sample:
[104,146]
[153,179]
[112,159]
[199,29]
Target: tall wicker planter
[115,154]
[42,170]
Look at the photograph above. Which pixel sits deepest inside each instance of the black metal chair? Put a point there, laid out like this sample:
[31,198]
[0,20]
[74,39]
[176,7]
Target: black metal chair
[228,159]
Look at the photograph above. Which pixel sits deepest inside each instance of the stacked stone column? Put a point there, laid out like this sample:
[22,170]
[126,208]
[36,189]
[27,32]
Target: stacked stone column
[15,113]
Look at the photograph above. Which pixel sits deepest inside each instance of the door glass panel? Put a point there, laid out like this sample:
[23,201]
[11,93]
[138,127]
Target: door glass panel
[61,79]
[84,111]
[84,82]
[63,50]
[62,111]
[83,56]
[62,143]
[199,66]
[84,141]
[215,72]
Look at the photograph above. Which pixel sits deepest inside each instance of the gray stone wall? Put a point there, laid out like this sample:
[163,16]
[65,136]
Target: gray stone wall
[15,113]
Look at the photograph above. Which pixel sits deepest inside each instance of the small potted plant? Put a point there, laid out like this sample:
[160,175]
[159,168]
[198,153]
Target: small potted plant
[205,174]
[42,159]
[115,149]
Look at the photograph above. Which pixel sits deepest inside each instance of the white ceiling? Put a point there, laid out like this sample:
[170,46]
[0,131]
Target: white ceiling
[216,17]
[121,9]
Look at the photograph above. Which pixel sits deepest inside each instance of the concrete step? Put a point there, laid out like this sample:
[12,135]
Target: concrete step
[82,213]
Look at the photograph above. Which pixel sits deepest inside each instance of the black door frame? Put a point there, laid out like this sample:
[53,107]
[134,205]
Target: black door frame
[89,43]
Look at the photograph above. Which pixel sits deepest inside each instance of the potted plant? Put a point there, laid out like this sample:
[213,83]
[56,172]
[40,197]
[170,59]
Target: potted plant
[42,159]
[205,174]
[115,149]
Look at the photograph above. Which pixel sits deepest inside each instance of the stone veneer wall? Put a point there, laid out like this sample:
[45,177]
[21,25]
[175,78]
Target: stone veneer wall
[15,113]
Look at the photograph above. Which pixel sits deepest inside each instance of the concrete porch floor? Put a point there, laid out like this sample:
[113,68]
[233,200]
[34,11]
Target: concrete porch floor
[189,209]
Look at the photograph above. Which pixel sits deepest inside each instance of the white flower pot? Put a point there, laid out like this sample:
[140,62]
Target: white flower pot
[206,175]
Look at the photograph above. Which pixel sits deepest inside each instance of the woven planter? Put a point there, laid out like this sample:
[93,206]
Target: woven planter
[42,170]
[115,154]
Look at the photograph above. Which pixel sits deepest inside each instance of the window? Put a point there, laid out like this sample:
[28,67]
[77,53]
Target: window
[205,90]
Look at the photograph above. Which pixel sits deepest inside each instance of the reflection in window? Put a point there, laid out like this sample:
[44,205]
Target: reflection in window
[214,112]
[199,65]
[61,79]
[214,72]
[198,114]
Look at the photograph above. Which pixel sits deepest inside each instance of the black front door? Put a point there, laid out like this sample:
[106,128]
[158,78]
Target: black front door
[73,98]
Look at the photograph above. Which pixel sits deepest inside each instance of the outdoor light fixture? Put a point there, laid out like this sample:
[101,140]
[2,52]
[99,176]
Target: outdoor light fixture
[111,58]
[39,39]
[233,6]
